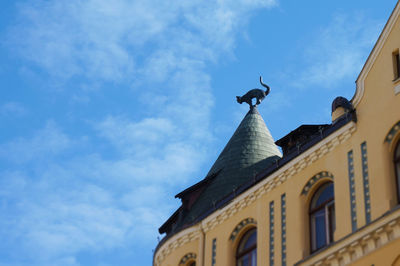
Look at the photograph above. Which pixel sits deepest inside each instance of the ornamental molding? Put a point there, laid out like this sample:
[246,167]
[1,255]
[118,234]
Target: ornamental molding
[240,226]
[392,133]
[352,187]
[257,191]
[185,236]
[363,242]
[360,83]
[313,180]
[187,257]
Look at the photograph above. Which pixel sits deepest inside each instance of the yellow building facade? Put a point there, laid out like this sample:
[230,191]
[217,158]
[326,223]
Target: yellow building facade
[332,198]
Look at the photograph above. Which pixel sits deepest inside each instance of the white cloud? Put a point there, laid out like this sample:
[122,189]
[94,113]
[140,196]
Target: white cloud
[105,40]
[46,142]
[338,51]
[61,210]
[12,109]
[87,203]
[153,149]
[134,137]
[91,202]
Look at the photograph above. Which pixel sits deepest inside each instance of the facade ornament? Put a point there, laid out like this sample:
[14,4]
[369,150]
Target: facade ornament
[254,93]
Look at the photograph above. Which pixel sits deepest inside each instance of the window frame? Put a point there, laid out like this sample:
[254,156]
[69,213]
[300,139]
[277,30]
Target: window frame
[249,250]
[328,216]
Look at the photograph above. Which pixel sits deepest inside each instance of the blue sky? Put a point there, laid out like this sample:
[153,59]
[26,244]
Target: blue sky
[110,108]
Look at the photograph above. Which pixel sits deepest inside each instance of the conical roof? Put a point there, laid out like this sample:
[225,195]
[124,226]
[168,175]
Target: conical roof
[251,143]
[250,149]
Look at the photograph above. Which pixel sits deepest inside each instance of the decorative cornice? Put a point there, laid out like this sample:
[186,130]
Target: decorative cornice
[249,196]
[313,180]
[351,248]
[185,236]
[240,226]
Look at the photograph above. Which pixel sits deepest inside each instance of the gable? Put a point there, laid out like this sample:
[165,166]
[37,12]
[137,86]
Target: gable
[384,43]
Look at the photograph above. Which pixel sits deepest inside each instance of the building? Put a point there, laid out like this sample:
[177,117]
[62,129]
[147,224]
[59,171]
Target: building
[331,198]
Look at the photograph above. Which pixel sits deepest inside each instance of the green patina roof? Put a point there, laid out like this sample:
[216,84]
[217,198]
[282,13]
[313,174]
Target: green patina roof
[250,149]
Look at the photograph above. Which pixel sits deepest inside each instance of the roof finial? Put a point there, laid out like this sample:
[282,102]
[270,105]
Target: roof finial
[254,93]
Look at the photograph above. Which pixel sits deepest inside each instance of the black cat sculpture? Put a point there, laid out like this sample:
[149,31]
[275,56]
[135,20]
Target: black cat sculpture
[254,93]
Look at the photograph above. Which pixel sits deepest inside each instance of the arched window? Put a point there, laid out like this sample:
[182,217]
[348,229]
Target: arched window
[188,260]
[397,168]
[246,254]
[322,217]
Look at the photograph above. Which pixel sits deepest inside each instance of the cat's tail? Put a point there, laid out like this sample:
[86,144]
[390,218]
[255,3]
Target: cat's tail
[266,86]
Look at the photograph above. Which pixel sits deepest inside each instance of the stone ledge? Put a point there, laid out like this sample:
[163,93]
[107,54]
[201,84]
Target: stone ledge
[359,244]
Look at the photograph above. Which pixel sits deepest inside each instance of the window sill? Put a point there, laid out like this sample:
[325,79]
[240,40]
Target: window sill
[396,80]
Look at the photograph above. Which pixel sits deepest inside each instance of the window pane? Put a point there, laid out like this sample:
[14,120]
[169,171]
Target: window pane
[322,216]
[248,240]
[254,258]
[252,240]
[397,156]
[244,261]
[322,195]
[250,259]
[247,250]
[319,229]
